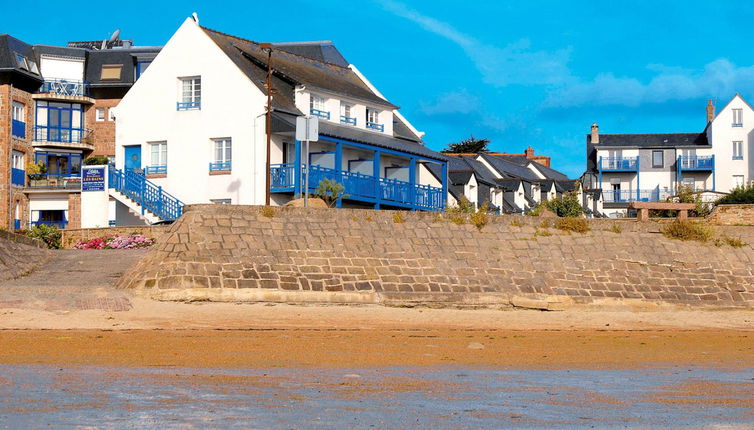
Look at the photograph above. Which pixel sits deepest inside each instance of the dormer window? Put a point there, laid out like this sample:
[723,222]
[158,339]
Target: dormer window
[373,120]
[317,106]
[738,117]
[111,72]
[346,114]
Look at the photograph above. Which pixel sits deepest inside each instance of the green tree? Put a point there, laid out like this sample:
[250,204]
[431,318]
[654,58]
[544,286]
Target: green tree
[330,191]
[471,145]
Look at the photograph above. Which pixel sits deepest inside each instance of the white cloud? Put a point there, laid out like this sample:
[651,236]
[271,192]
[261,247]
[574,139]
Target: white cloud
[515,63]
[717,78]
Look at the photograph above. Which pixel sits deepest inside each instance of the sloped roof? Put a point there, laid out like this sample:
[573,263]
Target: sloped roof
[652,140]
[508,169]
[549,172]
[323,51]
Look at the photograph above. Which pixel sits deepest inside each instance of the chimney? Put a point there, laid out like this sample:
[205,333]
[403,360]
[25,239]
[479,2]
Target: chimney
[710,111]
[595,133]
[529,153]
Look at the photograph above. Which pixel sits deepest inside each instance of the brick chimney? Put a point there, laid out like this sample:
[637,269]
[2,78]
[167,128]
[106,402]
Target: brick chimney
[595,133]
[710,111]
[529,153]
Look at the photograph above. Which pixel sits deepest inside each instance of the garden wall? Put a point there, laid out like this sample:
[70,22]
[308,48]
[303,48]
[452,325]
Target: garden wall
[242,253]
[20,255]
[73,236]
[732,215]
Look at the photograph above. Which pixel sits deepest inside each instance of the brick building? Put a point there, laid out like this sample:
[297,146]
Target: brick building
[57,109]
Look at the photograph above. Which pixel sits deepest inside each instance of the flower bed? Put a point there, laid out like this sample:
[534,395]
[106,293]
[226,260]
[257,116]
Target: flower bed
[132,241]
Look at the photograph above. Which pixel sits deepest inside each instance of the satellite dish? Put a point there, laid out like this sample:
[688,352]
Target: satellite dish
[114,37]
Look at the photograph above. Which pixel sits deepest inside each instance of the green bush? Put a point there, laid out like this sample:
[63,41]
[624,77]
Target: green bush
[567,205]
[96,160]
[738,196]
[480,217]
[685,194]
[578,225]
[330,191]
[688,230]
[48,234]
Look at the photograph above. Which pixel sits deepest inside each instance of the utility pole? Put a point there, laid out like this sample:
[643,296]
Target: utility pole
[268,84]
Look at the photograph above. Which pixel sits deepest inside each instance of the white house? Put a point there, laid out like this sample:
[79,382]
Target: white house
[195,125]
[651,167]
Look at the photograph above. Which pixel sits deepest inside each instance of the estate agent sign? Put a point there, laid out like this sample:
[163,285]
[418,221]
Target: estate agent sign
[93,179]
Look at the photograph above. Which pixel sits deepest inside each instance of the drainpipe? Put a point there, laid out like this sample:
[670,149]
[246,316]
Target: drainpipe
[10,157]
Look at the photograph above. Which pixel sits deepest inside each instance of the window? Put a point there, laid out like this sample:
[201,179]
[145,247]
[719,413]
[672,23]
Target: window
[191,93]
[317,106]
[657,159]
[18,160]
[18,112]
[373,120]
[111,114]
[59,122]
[100,114]
[222,154]
[141,67]
[738,150]
[159,154]
[111,72]
[346,114]
[21,61]
[738,180]
[689,183]
[738,117]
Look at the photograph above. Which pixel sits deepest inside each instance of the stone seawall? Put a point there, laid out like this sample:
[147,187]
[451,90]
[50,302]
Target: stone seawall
[238,253]
[20,255]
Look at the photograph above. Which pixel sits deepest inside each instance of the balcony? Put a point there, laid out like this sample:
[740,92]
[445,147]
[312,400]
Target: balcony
[348,120]
[18,129]
[79,138]
[375,126]
[320,113]
[220,166]
[197,105]
[706,162]
[156,170]
[64,90]
[56,181]
[619,164]
[361,187]
[627,196]
[17,177]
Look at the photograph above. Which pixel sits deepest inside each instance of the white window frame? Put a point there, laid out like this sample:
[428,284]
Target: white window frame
[738,150]
[373,115]
[225,146]
[191,89]
[19,111]
[346,109]
[110,114]
[17,160]
[99,114]
[662,159]
[317,102]
[738,117]
[161,153]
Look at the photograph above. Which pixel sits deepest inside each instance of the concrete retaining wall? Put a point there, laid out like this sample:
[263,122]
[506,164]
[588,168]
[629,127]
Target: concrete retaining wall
[217,252]
[20,255]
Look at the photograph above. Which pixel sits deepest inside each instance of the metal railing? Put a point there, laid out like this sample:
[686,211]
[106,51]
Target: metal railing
[320,113]
[64,87]
[18,129]
[17,177]
[144,192]
[350,120]
[220,166]
[61,135]
[618,163]
[700,162]
[188,105]
[360,186]
[375,126]
[67,181]
[627,196]
[151,170]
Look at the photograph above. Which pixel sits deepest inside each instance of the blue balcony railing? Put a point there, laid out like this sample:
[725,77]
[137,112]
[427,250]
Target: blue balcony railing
[63,87]
[706,162]
[67,181]
[59,224]
[151,197]
[188,105]
[618,163]
[626,196]
[18,129]
[220,166]
[360,187]
[350,120]
[61,135]
[17,177]
[320,113]
[153,170]
[375,126]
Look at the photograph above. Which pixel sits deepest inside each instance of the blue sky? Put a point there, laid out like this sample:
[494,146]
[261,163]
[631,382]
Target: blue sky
[517,72]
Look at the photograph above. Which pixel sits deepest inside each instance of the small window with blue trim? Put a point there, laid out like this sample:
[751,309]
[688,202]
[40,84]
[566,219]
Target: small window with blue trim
[191,93]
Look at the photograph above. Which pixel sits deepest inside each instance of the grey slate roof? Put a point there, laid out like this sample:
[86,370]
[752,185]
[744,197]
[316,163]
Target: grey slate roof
[548,172]
[324,51]
[9,68]
[508,169]
[653,140]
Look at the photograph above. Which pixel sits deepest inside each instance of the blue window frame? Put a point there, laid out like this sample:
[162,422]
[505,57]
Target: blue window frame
[59,122]
[141,67]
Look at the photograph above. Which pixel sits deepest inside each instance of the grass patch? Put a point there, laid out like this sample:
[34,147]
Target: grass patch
[543,233]
[545,224]
[733,242]
[437,218]
[517,223]
[268,211]
[398,218]
[368,218]
[688,230]
[616,229]
[578,225]
[480,219]
[458,219]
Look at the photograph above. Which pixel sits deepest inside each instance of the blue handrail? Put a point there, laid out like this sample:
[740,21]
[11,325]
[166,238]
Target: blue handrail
[626,196]
[188,105]
[617,163]
[697,162]
[220,166]
[375,126]
[320,113]
[144,192]
[348,120]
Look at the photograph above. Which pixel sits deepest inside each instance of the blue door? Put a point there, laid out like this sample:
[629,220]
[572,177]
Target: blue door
[133,157]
